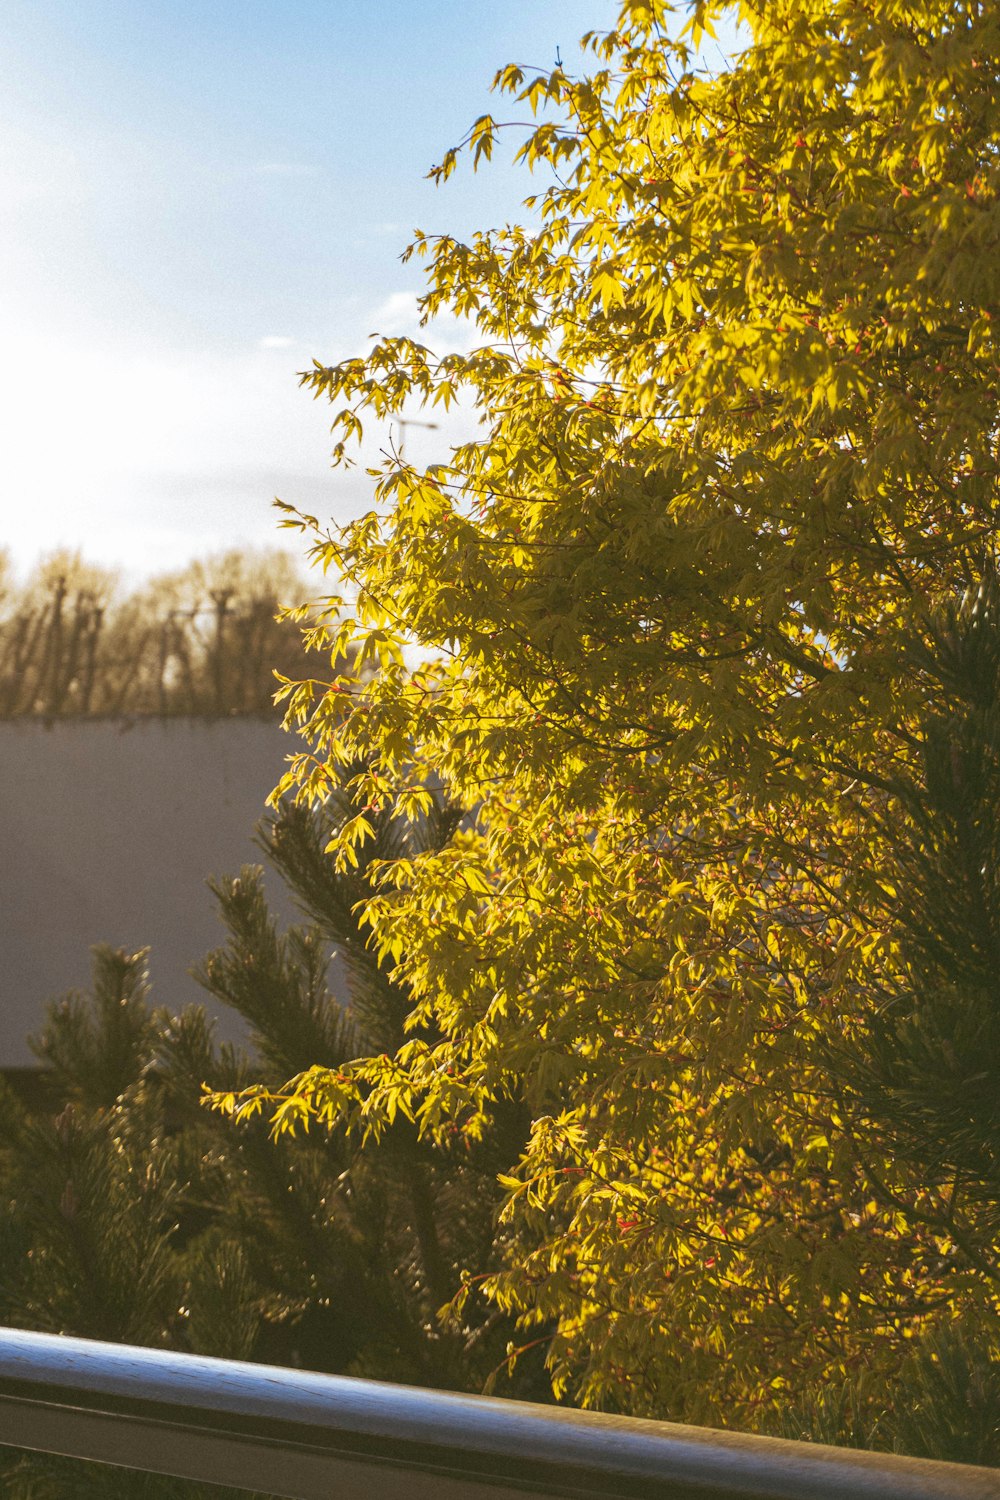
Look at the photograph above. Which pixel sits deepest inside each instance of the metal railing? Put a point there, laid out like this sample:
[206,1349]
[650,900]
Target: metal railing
[322,1437]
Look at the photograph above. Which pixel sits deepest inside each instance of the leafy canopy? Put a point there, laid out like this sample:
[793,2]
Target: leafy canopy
[738,383]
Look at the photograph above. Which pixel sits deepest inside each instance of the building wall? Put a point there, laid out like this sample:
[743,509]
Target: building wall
[110,831]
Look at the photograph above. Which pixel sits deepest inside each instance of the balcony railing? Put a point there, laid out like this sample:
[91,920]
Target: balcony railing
[322,1437]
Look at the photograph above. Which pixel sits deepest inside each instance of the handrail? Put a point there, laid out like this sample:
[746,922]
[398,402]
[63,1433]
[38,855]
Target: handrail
[302,1436]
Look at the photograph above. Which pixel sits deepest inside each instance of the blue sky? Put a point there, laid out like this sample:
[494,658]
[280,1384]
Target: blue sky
[199,198]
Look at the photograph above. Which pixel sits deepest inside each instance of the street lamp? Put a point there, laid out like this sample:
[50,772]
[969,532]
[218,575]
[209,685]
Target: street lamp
[404,422]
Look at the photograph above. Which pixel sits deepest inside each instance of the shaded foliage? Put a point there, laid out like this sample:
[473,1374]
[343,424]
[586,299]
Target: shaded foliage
[132,1214]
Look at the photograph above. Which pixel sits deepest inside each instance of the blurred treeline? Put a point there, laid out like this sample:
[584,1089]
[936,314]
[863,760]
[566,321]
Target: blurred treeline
[76,641]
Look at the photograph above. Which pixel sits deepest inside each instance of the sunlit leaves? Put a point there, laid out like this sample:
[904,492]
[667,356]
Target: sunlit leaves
[738,385]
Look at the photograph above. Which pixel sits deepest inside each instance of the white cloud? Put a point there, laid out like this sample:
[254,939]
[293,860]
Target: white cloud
[399,317]
[146,456]
[143,455]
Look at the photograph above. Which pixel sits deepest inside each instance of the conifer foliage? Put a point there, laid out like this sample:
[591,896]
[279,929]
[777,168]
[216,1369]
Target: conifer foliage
[133,1214]
[923,1074]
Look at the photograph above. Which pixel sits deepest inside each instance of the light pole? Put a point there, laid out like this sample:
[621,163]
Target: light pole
[404,422]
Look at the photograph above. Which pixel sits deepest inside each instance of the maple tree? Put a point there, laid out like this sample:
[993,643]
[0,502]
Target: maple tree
[738,381]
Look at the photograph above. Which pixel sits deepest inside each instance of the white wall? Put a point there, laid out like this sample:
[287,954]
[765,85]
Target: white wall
[109,832]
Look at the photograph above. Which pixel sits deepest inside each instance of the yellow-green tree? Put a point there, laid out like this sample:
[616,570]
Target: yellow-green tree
[738,381]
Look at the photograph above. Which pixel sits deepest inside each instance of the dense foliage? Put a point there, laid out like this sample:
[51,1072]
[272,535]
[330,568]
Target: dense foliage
[682,611]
